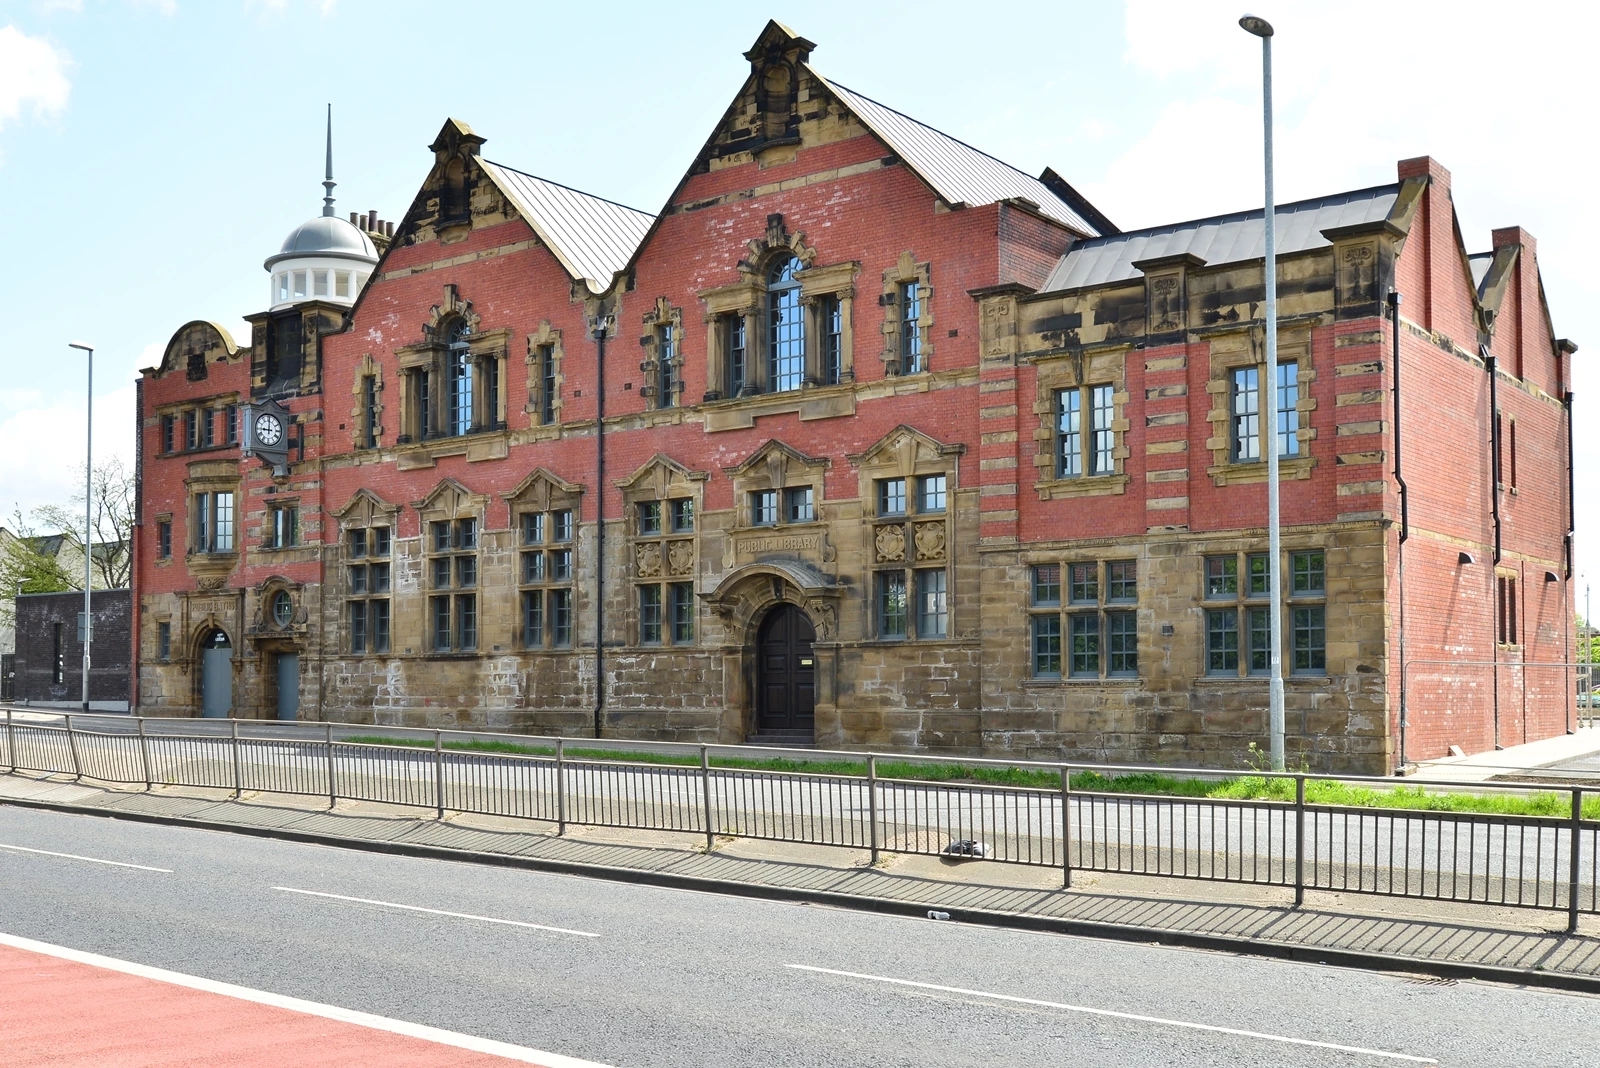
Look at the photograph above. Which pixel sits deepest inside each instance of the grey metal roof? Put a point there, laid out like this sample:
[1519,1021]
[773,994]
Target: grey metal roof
[957,172]
[326,235]
[592,237]
[1236,238]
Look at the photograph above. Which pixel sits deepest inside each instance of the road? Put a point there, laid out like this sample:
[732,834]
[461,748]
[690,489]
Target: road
[629,975]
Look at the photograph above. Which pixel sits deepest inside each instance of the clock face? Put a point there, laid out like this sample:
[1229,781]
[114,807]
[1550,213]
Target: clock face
[268,429]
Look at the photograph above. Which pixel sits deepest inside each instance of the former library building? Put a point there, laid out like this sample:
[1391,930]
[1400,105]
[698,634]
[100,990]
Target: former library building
[868,439]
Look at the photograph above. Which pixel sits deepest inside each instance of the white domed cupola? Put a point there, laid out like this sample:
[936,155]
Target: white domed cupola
[325,258]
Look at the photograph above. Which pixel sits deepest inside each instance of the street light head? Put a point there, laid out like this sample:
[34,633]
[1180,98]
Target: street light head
[84,345]
[1257,25]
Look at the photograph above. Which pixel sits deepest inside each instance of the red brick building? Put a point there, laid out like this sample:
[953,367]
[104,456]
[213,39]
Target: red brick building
[868,438]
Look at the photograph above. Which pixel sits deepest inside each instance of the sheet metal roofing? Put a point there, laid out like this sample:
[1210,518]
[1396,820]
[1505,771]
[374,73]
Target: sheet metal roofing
[592,237]
[957,172]
[1223,239]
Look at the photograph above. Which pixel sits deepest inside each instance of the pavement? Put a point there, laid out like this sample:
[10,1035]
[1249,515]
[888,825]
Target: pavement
[1524,946]
[1546,759]
[624,974]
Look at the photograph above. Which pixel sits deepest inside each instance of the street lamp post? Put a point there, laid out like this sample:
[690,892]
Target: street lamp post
[1261,28]
[87,627]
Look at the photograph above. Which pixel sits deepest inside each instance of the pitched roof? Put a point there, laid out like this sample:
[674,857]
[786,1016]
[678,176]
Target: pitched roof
[1235,238]
[958,172]
[592,237]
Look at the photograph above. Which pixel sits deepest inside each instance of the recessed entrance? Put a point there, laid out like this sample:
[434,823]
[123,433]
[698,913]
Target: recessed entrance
[216,675]
[786,692]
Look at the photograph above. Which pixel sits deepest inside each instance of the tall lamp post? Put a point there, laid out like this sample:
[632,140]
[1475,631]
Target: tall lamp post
[86,628]
[1261,28]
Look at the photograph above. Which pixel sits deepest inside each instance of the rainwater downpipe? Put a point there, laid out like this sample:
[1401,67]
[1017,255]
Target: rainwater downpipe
[1405,516]
[600,325]
[1572,530]
[1494,513]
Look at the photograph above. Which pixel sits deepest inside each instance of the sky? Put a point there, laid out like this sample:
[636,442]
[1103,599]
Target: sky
[154,152]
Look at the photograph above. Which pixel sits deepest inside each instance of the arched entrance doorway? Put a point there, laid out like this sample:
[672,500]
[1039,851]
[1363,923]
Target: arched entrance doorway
[786,692]
[216,675]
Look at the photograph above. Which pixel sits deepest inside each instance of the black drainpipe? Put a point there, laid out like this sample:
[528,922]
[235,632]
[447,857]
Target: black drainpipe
[1405,516]
[1494,513]
[1572,530]
[600,522]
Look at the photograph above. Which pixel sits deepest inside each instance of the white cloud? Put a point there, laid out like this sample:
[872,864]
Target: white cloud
[32,73]
[51,435]
[1499,96]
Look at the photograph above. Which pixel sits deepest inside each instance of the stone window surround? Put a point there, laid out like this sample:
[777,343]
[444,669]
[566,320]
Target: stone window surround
[668,557]
[366,368]
[1093,366]
[163,517]
[545,493]
[212,405]
[1243,601]
[488,349]
[364,511]
[448,502]
[1102,607]
[747,299]
[545,337]
[776,466]
[662,316]
[906,270]
[266,624]
[211,476]
[265,529]
[1243,348]
[912,541]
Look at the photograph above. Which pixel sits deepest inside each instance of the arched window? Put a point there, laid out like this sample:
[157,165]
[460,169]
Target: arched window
[458,374]
[786,320]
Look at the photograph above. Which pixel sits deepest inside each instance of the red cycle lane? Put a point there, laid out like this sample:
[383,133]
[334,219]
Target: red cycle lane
[61,1007]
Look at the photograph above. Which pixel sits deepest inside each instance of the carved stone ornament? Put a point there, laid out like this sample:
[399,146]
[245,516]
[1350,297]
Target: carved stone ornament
[647,560]
[930,541]
[680,557]
[826,621]
[210,582]
[891,542]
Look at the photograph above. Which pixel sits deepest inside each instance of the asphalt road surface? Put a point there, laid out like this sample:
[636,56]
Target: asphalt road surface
[630,975]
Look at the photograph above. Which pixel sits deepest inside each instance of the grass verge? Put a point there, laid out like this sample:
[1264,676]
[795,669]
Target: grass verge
[1235,788]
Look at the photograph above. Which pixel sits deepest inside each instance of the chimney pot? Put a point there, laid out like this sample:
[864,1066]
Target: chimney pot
[355,218]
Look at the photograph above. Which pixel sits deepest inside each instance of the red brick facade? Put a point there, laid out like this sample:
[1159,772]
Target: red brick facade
[802,168]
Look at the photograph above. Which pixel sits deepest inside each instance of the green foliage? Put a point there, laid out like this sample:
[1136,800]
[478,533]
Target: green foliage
[1258,787]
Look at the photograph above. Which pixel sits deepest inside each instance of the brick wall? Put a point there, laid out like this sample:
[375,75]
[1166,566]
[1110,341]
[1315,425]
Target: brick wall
[47,626]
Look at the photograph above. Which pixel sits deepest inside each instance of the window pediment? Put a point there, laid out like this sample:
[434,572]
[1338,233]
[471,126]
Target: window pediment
[365,508]
[906,450]
[543,490]
[772,464]
[450,499]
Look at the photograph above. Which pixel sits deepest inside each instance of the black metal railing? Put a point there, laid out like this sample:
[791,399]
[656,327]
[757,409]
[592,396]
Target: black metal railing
[1545,862]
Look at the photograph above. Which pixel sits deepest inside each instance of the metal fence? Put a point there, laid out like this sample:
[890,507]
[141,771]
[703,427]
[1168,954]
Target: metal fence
[1547,862]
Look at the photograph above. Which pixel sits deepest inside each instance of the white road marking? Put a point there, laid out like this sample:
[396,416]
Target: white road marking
[437,912]
[1118,1015]
[312,1008]
[91,860]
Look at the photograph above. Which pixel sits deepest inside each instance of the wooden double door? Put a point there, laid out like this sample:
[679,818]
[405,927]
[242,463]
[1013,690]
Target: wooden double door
[786,688]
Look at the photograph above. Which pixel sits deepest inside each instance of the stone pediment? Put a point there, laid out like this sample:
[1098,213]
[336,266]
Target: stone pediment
[775,460]
[451,498]
[363,508]
[541,488]
[906,448]
[658,476]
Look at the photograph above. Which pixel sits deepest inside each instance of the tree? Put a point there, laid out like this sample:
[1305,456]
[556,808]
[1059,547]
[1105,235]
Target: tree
[29,563]
[112,496]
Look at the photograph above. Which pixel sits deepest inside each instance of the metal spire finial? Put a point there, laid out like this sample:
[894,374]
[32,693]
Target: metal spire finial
[328,183]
